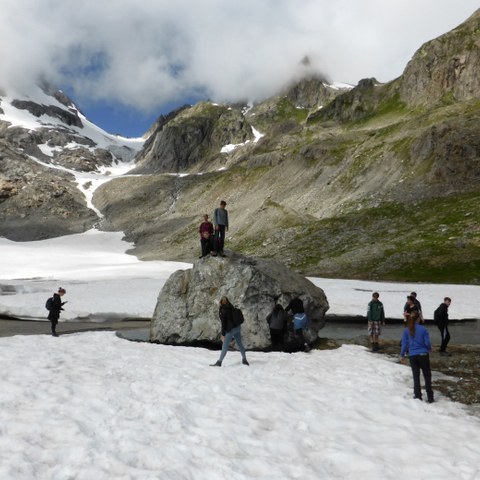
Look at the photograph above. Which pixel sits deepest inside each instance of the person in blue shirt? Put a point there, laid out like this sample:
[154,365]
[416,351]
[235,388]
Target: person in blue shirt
[416,341]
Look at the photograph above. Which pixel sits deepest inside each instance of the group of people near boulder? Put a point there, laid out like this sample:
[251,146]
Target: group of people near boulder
[415,339]
[288,322]
[280,322]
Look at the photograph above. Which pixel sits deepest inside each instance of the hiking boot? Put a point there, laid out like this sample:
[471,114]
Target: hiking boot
[445,354]
[244,361]
[54,334]
[431,400]
[218,363]
[307,348]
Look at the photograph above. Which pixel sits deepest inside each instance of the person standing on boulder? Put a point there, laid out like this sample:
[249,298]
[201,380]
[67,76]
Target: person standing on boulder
[206,231]
[375,319]
[440,318]
[220,220]
[56,308]
[229,332]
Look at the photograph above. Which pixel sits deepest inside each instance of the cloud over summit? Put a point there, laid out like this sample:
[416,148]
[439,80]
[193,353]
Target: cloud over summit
[151,53]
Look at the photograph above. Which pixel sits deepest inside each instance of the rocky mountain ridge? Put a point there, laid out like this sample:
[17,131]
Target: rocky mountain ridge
[45,143]
[379,181]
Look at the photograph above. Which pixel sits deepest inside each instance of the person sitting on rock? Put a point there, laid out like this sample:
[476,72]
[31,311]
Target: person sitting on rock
[229,332]
[206,231]
[277,321]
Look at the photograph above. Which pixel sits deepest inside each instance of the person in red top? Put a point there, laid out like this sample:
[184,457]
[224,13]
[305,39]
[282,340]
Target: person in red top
[206,231]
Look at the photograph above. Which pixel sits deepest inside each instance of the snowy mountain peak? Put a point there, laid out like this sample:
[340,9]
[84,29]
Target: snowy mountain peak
[57,120]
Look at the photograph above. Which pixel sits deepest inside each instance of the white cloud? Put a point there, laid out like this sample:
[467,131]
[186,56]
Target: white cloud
[151,53]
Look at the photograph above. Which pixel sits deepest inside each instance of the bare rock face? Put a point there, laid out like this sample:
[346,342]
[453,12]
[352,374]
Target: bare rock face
[184,139]
[187,307]
[445,68]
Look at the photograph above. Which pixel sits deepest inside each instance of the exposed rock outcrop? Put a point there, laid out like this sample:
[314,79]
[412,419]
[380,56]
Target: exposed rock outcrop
[192,136]
[445,68]
[187,307]
[311,92]
[65,116]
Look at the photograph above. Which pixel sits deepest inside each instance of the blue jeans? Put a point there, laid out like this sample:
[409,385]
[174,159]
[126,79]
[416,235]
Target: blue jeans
[236,334]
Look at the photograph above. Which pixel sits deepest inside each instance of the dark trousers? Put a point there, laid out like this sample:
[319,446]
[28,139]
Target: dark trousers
[53,324]
[219,240]
[445,337]
[53,316]
[421,362]
[206,245]
[277,337]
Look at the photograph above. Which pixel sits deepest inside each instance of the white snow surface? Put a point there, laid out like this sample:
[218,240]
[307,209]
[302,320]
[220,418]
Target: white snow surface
[94,406]
[100,278]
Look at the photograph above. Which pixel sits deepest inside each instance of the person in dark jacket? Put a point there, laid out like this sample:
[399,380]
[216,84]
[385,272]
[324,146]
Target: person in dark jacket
[416,341]
[206,231]
[229,332]
[57,307]
[300,321]
[440,318]
[375,319]
[220,220]
[277,321]
[409,307]
[295,306]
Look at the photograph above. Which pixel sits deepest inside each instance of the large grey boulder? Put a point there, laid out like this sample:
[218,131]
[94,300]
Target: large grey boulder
[187,308]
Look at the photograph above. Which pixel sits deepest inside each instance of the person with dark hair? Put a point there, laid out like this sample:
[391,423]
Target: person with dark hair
[375,319]
[206,231]
[56,308]
[440,317]
[300,321]
[229,332]
[409,307]
[277,321]
[416,341]
[220,220]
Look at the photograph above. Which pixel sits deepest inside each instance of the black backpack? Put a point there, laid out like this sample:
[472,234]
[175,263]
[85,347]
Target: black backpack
[49,304]
[237,317]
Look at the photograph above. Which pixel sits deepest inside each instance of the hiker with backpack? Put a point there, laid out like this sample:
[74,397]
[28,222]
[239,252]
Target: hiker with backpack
[300,321]
[232,319]
[54,306]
